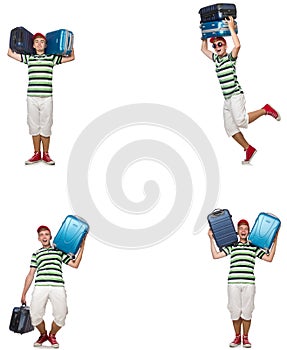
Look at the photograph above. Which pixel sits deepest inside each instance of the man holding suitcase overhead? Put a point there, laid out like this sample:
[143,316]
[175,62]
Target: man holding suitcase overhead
[234,112]
[46,262]
[39,95]
[241,279]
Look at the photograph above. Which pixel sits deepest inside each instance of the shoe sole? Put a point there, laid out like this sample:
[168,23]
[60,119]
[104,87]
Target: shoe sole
[30,163]
[48,163]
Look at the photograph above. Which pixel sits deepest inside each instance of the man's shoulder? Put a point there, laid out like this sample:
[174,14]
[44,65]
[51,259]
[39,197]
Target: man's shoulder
[39,250]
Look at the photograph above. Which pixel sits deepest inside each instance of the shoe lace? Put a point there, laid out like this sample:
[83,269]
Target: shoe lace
[46,155]
[52,338]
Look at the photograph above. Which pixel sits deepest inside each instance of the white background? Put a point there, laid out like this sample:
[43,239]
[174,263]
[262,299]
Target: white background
[172,295]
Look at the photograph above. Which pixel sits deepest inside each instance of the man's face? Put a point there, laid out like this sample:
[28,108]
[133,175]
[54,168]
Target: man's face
[219,47]
[39,44]
[243,232]
[45,238]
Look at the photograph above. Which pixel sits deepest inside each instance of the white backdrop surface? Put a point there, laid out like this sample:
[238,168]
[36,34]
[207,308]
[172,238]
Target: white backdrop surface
[171,295]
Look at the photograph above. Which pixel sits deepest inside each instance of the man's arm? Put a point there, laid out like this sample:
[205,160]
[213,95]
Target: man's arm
[215,254]
[14,55]
[204,49]
[28,281]
[235,39]
[269,257]
[69,58]
[75,263]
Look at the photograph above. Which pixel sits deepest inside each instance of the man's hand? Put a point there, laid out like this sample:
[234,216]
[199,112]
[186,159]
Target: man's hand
[230,22]
[210,234]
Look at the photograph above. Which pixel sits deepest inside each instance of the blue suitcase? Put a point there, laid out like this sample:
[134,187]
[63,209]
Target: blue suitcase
[215,29]
[21,41]
[71,234]
[60,42]
[264,231]
[217,12]
[221,224]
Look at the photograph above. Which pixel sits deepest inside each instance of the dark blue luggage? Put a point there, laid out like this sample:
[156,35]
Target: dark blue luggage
[60,42]
[70,235]
[20,321]
[217,12]
[221,224]
[21,41]
[264,231]
[215,29]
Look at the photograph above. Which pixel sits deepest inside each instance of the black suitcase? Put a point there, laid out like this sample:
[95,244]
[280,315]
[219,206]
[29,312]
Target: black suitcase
[21,41]
[21,320]
[221,224]
[217,12]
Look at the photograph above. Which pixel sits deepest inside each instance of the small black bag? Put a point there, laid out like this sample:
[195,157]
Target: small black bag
[21,320]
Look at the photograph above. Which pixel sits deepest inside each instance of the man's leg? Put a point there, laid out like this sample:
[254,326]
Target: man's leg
[54,328]
[45,143]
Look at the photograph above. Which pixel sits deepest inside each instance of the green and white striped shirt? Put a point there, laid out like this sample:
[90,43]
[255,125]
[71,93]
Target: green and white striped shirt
[40,73]
[242,262]
[225,68]
[48,263]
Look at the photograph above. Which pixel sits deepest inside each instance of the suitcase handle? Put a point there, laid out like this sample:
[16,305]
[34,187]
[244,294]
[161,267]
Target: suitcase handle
[217,212]
[272,214]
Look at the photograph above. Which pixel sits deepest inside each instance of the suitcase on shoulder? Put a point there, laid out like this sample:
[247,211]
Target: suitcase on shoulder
[60,42]
[21,41]
[217,12]
[221,224]
[70,235]
[264,230]
[21,320]
[215,29]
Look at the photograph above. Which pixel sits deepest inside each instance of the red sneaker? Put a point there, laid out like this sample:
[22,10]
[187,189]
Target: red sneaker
[250,152]
[53,341]
[235,342]
[47,159]
[35,159]
[41,340]
[271,111]
[246,343]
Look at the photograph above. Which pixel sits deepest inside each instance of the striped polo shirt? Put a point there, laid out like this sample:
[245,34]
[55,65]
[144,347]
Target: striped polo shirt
[242,262]
[40,73]
[225,68]
[48,262]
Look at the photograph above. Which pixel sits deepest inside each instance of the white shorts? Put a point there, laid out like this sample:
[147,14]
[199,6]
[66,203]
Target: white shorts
[241,300]
[234,114]
[58,299]
[40,115]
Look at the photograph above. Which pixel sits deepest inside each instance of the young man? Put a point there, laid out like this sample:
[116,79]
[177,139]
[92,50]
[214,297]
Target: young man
[40,95]
[241,280]
[47,262]
[234,112]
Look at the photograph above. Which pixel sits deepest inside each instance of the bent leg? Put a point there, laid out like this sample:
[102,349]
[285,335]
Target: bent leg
[252,116]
